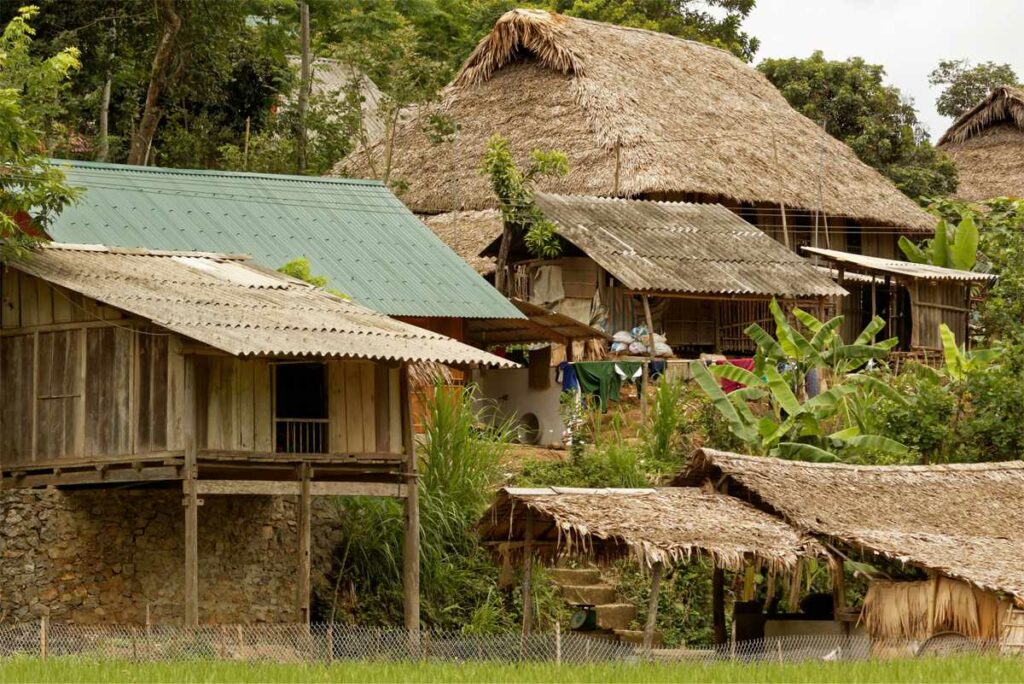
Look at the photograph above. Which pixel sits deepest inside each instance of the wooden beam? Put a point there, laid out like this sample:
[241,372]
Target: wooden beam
[191,502]
[290,488]
[388,489]
[411,541]
[305,517]
[528,576]
[87,477]
[273,457]
[652,606]
[718,605]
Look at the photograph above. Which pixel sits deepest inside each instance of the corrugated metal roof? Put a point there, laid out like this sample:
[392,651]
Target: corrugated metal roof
[233,305]
[356,233]
[681,247]
[903,268]
[541,325]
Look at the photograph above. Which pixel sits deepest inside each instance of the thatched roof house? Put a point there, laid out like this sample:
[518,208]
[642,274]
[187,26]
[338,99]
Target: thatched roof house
[639,114]
[963,521]
[665,525]
[987,145]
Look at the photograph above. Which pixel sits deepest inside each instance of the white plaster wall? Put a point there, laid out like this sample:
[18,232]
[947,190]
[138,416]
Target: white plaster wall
[507,392]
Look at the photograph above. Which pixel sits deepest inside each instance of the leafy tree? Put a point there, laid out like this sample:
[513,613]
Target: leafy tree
[851,101]
[514,189]
[966,85]
[716,22]
[952,247]
[31,190]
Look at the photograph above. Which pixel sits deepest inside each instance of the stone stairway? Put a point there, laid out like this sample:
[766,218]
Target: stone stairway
[585,588]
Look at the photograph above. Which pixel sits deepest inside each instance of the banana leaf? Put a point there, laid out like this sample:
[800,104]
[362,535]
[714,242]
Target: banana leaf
[792,342]
[877,385]
[796,451]
[963,253]
[845,434]
[765,342]
[734,373]
[738,417]
[955,362]
[747,394]
[825,333]
[808,320]
[782,392]
[913,253]
[877,444]
[938,249]
[870,330]
[828,400]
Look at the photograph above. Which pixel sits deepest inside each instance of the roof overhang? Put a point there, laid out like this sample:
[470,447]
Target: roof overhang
[870,265]
[537,325]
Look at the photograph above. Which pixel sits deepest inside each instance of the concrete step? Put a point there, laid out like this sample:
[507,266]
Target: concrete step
[587,594]
[575,576]
[636,636]
[615,615]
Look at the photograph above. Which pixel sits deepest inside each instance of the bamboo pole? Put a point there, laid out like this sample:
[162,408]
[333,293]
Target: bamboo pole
[650,360]
[652,606]
[191,500]
[305,517]
[411,542]
[528,576]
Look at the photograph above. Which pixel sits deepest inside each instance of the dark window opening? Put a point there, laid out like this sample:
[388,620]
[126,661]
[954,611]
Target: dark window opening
[300,408]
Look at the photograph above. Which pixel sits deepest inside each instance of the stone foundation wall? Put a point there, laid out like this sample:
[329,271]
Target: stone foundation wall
[103,556]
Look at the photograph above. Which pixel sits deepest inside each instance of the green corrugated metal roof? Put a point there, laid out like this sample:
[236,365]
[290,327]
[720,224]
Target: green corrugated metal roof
[354,232]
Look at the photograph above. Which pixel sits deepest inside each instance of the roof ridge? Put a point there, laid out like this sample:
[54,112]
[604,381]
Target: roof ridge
[142,251]
[167,170]
[915,468]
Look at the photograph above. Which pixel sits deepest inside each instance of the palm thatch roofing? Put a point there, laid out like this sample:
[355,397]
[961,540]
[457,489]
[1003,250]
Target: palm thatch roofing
[467,233]
[987,146]
[964,521]
[680,247]
[667,525]
[637,113]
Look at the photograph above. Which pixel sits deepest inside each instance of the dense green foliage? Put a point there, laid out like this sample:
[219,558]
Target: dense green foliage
[965,85]
[952,247]
[850,99]
[31,95]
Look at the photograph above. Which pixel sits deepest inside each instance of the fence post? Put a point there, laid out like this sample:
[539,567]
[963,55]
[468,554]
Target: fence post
[44,629]
[330,642]
[558,643]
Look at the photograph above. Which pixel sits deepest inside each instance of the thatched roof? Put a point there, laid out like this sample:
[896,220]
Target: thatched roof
[964,521]
[680,247]
[467,233]
[637,113]
[332,78]
[667,525]
[987,145]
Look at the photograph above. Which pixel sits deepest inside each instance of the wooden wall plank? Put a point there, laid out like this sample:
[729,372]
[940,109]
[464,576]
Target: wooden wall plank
[10,305]
[215,438]
[16,373]
[57,395]
[263,412]
[246,403]
[28,301]
[337,439]
[175,390]
[108,358]
[353,406]
[381,407]
[369,405]
[63,311]
[44,303]
[395,410]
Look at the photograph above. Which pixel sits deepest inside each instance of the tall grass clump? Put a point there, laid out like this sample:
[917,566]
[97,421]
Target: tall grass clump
[459,471]
[662,441]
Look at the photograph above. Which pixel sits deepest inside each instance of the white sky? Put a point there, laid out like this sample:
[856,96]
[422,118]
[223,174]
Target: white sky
[907,37]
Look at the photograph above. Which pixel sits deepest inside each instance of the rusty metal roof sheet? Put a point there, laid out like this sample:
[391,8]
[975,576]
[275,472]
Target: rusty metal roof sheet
[902,268]
[228,302]
[682,247]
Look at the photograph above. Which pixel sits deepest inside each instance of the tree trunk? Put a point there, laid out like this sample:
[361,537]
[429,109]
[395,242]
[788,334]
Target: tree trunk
[104,143]
[143,137]
[500,270]
[305,78]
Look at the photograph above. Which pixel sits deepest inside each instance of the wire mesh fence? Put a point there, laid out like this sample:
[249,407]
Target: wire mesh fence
[326,643]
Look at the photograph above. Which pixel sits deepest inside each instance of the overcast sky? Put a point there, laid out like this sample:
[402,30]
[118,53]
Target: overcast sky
[907,37]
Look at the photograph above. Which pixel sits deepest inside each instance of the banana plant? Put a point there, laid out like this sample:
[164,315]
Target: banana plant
[959,361]
[950,248]
[791,428]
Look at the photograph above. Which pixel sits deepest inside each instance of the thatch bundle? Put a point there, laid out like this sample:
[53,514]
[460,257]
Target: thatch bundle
[900,611]
[665,525]
[964,521]
[987,145]
[638,113]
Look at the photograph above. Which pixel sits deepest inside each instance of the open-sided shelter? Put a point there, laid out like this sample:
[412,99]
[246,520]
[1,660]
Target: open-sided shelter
[987,145]
[707,273]
[208,373]
[913,299]
[956,522]
[658,527]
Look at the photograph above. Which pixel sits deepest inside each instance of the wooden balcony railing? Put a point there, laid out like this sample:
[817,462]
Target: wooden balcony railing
[301,435]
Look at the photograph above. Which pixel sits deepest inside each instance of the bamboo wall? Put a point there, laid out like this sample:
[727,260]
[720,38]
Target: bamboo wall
[936,303]
[85,382]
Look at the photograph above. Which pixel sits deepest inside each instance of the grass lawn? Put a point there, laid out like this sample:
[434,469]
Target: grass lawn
[968,669]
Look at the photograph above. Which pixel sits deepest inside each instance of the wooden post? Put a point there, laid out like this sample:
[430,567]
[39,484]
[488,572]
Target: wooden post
[528,575]
[191,501]
[749,584]
[558,643]
[718,604]
[795,582]
[650,360]
[652,606]
[838,588]
[411,542]
[44,637]
[305,515]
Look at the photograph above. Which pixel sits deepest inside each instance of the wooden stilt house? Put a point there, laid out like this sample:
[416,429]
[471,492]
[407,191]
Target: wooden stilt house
[127,367]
